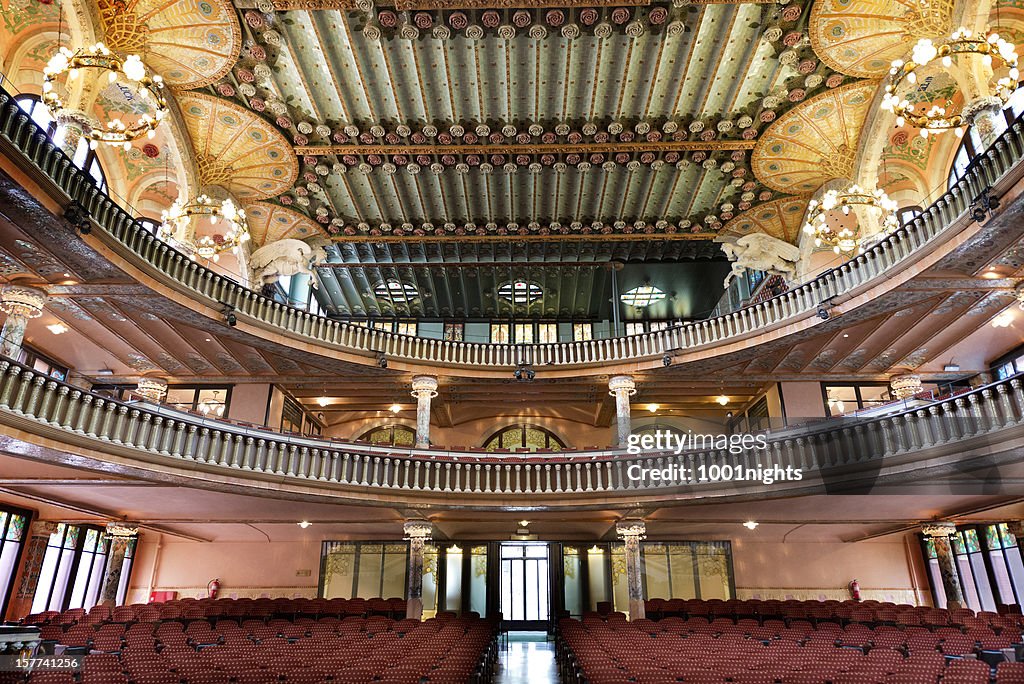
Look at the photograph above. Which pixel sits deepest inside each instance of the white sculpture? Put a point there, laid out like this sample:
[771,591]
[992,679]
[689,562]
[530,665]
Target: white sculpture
[761,252]
[284,258]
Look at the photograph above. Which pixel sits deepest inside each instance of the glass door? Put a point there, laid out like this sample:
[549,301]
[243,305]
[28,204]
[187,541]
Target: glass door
[525,585]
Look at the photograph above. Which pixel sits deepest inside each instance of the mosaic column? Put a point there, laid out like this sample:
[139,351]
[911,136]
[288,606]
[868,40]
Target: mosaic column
[418,533]
[981,113]
[632,532]
[121,538]
[20,303]
[622,387]
[70,130]
[35,549]
[424,388]
[939,533]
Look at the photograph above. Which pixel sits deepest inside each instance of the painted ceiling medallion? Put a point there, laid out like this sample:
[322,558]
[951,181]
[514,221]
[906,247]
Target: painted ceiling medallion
[815,141]
[238,145]
[862,38]
[190,44]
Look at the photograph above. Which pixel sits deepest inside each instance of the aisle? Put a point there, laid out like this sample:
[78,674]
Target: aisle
[529,659]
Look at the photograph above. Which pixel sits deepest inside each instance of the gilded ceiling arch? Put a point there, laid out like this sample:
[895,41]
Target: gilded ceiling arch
[862,38]
[781,219]
[237,149]
[190,44]
[815,141]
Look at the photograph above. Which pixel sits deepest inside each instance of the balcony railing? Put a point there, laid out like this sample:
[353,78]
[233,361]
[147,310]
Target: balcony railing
[836,451]
[127,236]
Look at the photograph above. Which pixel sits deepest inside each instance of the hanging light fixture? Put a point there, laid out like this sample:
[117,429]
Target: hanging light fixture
[995,52]
[129,71]
[184,219]
[843,239]
[212,406]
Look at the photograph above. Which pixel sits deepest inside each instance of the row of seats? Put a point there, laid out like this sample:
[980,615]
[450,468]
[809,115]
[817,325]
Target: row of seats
[866,612]
[447,649]
[747,651]
[196,609]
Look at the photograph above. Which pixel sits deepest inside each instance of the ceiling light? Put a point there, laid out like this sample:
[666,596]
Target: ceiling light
[875,204]
[846,334]
[67,275]
[750,525]
[723,400]
[57,328]
[524,523]
[951,367]
[395,408]
[186,218]
[304,524]
[323,401]
[1003,320]
[653,408]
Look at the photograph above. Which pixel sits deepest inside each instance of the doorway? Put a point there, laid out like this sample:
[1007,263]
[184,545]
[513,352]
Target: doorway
[525,585]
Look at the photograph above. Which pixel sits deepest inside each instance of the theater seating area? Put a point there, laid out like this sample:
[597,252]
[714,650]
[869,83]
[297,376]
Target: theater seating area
[267,641]
[790,642]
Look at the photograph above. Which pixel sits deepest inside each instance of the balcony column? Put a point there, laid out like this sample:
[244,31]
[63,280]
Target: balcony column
[418,533]
[20,303]
[622,387]
[35,550]
[424,388]
[122,538]
[631,532]
[981,113]
[939,533]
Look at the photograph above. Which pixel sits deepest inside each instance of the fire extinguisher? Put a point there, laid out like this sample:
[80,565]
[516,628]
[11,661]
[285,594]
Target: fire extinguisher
[855,590]
[213,587]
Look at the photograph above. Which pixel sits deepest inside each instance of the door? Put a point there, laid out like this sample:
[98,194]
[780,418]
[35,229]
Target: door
[525,585]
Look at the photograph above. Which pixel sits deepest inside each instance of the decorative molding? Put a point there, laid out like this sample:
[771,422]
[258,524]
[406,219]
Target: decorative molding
[405,5]
[530,148]
[939,529]
[614,237]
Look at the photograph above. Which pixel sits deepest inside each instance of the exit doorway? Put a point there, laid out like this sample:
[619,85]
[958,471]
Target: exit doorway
[525,585]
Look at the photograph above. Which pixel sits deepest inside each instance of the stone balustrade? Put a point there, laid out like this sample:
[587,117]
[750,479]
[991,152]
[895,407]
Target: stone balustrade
[126,235]
[838,449]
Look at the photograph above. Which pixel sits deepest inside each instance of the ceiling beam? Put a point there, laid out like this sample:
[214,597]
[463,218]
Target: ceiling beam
[610,237]
[531,148]
[405,5]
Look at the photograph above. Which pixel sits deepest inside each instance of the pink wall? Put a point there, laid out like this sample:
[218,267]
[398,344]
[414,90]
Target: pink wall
[249,403]
[802,400]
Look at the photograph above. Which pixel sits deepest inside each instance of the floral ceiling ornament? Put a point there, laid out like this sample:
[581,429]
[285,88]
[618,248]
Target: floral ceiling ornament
[129,72]
[994,52]
[838,205]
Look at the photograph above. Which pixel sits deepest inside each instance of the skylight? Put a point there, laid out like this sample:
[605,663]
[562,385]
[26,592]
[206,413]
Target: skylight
[396,292]
[520,292]
[642,296]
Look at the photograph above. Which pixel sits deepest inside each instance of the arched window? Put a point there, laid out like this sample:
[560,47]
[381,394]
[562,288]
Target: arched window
[85,157]
[971,146]
[523,437]
[390,435]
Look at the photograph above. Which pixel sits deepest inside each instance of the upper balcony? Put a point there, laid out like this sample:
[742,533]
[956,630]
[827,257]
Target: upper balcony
[971,441]
[943,227]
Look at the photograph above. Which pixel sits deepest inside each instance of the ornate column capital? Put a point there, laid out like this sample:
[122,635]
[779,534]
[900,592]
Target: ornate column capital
[22,300]
[424,384]
[939,529]
[417,530]
[631,530]
[121,530]
[1016,528]
[43,528]
[621,383]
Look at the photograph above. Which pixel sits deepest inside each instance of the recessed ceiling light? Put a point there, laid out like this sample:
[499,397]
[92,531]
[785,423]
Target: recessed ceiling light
[396,408]
[57,328]
[323,401]
[846,334]
[653,408]
[67,275]
[524,523]
[750,525]
[304,524]
[723,400]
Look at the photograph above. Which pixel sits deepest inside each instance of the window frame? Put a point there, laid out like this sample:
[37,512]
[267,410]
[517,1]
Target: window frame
[825,386]
[10,512]
[195,397]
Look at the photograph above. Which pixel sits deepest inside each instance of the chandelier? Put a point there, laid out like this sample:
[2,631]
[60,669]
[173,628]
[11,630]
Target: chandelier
[130,69]
[842,239]
[905,386]
[183,215]
[212,406]
[994,51]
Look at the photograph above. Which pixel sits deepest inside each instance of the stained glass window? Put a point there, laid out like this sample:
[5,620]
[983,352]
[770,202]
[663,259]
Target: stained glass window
[390,435]
[454,332]
[582,332]
[642,296]
[523,437]
[12,530]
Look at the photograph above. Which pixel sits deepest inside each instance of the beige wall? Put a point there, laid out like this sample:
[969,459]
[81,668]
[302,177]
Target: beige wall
[245,569]
[802,400]
[799,570]
[823,570]
[249,403]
